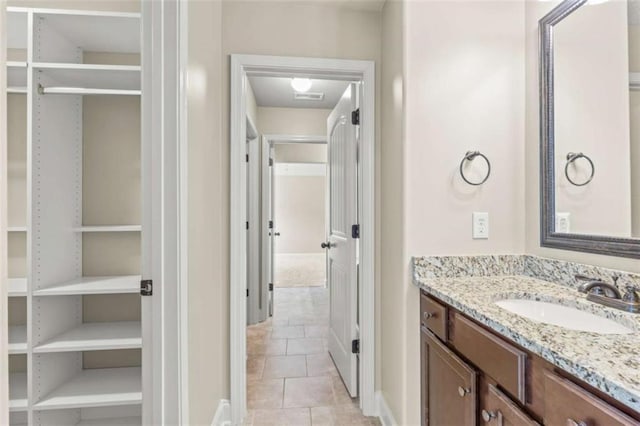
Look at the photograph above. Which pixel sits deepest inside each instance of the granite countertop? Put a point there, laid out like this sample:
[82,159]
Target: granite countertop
[610,363]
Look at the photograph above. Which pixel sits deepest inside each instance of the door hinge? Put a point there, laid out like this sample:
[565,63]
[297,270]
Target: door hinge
[270,286]
[355,117]
[247,158]
[355,346]
[270,162]
[355,231]
[247,225]
[146,287]
[247,292]
[270,224]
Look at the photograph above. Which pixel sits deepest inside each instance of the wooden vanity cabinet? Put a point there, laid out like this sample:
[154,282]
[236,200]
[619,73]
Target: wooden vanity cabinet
[449,385]
[471,376]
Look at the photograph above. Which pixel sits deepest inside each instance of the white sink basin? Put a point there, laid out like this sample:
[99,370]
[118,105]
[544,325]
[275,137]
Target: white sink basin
[562,316]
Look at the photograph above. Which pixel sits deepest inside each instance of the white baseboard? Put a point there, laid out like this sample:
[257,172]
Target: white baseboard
[223,414]
[384,413]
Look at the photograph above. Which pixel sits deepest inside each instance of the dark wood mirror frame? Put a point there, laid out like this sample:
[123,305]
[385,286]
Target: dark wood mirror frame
[611,246]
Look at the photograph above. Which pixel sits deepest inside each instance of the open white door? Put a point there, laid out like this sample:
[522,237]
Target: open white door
[267,230]
[341,246]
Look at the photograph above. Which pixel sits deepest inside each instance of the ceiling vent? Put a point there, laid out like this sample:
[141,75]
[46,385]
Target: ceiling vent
[308,96]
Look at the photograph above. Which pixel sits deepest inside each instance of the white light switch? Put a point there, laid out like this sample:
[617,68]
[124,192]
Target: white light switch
[563,222]
[480,225]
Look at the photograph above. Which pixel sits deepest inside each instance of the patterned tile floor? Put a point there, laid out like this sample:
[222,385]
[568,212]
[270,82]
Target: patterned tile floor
[291,379]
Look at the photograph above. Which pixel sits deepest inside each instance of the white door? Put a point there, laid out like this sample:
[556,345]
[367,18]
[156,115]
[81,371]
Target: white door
[342,271]
[267,239]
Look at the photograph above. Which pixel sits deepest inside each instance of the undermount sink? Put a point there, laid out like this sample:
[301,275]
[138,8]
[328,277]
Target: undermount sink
[562,316]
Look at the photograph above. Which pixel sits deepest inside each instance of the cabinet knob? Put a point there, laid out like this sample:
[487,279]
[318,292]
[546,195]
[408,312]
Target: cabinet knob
[462,392]
[427,315]
[487,416]
[571,422]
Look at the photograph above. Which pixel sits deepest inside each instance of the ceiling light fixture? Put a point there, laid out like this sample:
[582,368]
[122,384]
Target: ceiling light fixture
[301,85]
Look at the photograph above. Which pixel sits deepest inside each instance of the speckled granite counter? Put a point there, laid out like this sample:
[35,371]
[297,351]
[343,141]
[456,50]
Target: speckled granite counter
[610,363]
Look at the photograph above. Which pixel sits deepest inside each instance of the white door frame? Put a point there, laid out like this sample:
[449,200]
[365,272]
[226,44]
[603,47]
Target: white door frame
[268,141]
[4,330]
[338,69]
[164,171]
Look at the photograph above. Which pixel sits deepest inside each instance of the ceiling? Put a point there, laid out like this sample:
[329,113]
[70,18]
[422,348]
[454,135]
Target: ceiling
[277,92]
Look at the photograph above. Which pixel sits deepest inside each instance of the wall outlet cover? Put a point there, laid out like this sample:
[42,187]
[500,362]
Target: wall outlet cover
[563,222]
[480,225]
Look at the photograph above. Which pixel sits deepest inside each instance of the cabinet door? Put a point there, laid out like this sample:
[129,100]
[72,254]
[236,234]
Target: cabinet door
[499,410]
[449,394]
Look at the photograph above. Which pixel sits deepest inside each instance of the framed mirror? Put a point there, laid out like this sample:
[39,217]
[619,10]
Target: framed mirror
[590,127]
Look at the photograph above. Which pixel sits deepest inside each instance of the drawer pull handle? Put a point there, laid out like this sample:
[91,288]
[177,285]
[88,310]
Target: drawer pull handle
[571,422]
[487,416]
[462,392]
[427,315]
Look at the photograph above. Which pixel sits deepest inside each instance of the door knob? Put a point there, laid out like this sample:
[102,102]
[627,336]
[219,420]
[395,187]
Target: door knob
[327,245]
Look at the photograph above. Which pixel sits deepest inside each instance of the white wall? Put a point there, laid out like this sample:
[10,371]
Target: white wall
[634,111]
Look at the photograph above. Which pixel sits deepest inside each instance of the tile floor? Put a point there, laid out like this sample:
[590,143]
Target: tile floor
[291,379]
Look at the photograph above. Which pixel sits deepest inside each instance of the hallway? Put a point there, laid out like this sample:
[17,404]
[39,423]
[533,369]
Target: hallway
[291,379]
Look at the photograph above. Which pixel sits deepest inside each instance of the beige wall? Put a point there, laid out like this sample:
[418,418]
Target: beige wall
[533,12]
[463,86]
[293,121]
[634,66]
[590,66]
[394,294]
[300,213]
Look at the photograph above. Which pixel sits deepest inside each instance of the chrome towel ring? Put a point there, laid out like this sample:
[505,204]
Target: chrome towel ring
[470,156]
[572,157]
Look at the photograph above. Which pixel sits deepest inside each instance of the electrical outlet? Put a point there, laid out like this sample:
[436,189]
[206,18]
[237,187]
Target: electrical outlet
[563,222]
[480,225]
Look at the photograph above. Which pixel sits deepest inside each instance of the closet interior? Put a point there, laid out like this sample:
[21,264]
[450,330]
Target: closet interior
[75,223]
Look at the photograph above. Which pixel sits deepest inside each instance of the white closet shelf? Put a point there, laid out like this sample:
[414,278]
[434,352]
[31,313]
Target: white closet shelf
[94,337]
[17,229]
[93,285]
[101,387]
[16,74]
[107,77]
[109,228]
[18,392]
[113,421]
[113,32]
[86,91]
[17,287]
[17,339]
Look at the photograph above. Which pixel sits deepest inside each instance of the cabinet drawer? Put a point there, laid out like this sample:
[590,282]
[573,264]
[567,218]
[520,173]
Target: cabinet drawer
[433,316]
[503,362]
[565,403]
[499,410]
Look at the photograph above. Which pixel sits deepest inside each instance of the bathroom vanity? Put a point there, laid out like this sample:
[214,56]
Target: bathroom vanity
[482,364]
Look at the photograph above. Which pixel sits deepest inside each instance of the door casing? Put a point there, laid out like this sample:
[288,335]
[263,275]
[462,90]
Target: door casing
[339,69]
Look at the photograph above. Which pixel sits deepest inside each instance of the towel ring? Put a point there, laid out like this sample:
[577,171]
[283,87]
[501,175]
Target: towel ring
[470,156]
[572,157]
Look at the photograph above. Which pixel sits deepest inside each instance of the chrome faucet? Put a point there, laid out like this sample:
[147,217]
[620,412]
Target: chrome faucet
[609,295]
[599,287]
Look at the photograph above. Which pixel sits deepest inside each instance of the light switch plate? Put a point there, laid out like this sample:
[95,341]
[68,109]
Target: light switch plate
[480,225]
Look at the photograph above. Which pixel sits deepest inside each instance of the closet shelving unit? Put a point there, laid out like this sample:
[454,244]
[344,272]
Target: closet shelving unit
[58,377]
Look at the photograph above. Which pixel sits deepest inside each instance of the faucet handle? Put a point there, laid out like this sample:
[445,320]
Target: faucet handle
[631,295]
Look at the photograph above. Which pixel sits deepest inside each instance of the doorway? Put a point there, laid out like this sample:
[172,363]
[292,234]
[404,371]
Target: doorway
[349,254]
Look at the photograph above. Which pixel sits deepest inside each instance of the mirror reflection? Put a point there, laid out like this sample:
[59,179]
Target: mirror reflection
[597,120]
